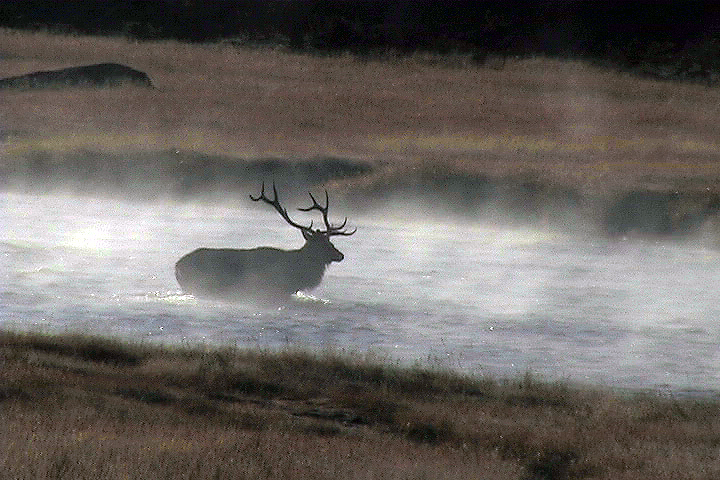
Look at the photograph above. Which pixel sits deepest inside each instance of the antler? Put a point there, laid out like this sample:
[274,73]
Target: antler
[331,229]
[276,203]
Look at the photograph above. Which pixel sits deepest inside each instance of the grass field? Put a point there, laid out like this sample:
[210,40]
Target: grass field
[560,122]
[80,407]
[83,407]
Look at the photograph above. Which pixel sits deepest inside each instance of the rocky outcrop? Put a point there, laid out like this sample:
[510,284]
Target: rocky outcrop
[99,75]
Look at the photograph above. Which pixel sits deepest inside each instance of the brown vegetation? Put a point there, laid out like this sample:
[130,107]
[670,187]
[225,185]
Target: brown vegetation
[79,407]
[84,407]
[561,122]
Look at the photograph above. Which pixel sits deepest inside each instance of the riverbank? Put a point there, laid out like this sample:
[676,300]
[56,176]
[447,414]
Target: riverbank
[79,406]
[532,140]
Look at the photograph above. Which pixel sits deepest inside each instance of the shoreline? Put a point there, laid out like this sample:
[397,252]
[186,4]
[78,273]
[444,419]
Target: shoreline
[363,185]
[93,404]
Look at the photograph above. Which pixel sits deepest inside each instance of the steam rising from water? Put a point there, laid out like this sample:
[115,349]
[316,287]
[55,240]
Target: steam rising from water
[482,298]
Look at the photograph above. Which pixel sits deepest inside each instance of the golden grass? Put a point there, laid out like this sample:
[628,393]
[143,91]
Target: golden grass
[562,121]
[83,407]
[79,407]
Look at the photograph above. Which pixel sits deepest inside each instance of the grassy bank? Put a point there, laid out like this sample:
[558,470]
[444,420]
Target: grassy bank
[559,122]
[85,407]
[539,140]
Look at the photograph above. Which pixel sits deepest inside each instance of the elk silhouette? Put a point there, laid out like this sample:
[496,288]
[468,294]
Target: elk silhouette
[263,273]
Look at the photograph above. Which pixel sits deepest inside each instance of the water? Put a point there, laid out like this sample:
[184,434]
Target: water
[483,299]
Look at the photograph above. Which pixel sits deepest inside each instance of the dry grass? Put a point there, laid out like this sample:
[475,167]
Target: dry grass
[78,407]
[83,407]
[560,121]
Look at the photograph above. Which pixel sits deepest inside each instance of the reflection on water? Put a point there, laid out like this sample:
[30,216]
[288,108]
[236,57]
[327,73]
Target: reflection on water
[484,299]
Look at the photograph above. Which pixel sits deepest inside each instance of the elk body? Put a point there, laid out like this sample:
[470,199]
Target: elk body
[264,273]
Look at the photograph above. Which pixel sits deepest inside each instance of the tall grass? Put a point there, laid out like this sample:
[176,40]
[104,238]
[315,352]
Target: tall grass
[80,407]
[564,121]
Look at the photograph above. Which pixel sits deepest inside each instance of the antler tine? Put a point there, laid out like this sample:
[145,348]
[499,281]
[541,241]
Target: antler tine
[262,194]
[316,206]
[275,202]
[335,230]
[276,196]
[338,230]
[330,228]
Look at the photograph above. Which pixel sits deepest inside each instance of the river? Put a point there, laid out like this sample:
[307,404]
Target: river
[480,298]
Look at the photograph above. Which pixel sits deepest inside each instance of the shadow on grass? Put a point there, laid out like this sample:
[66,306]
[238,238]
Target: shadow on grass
[170,174]
[82,347]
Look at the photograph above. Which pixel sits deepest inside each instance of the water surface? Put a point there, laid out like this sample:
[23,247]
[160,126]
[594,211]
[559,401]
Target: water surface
[481,298]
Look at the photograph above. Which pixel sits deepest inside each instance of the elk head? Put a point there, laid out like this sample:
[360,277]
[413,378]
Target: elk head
[317,241]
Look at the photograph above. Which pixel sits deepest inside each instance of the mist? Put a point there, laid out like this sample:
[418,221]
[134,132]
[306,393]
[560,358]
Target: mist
[483,296]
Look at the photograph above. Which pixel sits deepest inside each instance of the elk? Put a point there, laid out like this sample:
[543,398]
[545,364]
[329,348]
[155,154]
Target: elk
[263,273]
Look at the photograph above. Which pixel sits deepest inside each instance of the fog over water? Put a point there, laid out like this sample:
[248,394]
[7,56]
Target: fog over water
[482,298]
